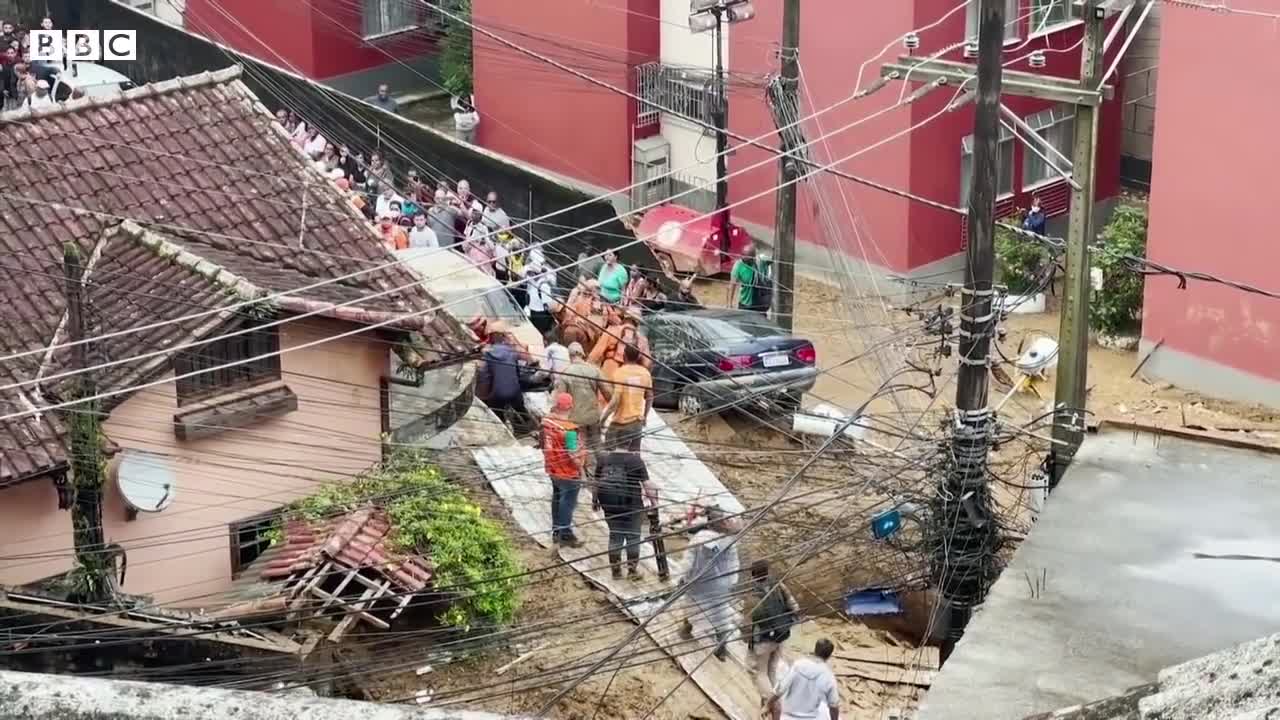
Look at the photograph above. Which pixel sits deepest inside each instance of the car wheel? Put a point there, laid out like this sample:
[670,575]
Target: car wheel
[690,403]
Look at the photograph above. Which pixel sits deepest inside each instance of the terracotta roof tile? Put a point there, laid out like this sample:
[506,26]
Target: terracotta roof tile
[356,541]
[231,192]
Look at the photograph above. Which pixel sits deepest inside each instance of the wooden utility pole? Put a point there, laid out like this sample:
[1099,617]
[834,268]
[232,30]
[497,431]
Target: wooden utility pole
[85,441]
[720,118]
[1073,333]
[784,276]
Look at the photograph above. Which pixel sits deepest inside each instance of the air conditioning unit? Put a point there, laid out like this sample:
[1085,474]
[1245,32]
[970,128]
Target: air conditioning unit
[650,168]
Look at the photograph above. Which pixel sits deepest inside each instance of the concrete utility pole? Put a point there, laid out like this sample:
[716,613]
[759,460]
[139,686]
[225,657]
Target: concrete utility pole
[1073,334]
[784,276]
[85,440]
[963,528]
[720,118]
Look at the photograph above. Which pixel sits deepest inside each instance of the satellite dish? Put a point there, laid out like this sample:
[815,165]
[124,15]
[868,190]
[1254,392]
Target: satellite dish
[146,481]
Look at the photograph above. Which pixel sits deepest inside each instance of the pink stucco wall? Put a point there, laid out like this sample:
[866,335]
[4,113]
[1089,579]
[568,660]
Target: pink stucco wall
[1215,160]
[182,554]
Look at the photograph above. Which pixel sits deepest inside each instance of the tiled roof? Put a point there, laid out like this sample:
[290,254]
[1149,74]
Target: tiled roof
[183,196]
[354,541]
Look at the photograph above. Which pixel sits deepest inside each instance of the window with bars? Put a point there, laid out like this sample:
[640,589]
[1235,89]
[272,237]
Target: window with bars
[1057,126]
[209,382]
[382,17]
[1012,20]
[1047,13]
[251,537]
[672,91]
[1004,176]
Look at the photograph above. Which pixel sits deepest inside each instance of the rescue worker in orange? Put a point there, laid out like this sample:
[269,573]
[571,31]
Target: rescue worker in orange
[582,316]
[622,331]
[486,330]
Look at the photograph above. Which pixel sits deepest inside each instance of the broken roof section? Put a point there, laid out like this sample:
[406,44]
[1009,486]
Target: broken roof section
[183,196]
[1126,572]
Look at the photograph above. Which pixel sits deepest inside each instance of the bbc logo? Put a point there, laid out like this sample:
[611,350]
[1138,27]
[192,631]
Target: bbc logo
[84,45]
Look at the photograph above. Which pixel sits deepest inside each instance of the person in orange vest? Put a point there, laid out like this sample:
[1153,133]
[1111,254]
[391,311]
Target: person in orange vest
[609,349]
[581,316]
[564,459]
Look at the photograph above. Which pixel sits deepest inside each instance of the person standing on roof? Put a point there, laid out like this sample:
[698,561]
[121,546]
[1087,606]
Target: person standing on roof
[583,381]
[621,487]
[613,278]
[633,387]
[807,685]
[465,118]
[711,577]
[563,460]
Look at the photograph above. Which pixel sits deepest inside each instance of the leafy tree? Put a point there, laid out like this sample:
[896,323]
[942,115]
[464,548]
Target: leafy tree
[1117,308]
[455,56]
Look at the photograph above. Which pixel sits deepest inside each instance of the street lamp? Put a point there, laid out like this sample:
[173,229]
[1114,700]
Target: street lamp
[711,15]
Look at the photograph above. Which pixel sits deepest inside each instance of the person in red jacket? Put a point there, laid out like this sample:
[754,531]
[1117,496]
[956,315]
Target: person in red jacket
[564,459]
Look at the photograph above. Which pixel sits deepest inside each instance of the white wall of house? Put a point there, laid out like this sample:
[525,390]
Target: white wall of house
[692,154]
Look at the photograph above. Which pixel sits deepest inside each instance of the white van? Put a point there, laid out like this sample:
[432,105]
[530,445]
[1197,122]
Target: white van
[91,79]
[471,293]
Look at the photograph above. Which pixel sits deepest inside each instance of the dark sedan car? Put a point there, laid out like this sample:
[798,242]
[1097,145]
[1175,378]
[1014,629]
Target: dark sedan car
[717,358]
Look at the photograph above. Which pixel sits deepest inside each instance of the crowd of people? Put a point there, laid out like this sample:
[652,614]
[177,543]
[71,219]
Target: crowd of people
[25,82]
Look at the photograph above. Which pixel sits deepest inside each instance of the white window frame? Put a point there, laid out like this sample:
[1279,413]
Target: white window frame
[1012,21]
[384,11]
[1035,12]
[1056,126]
[966,170]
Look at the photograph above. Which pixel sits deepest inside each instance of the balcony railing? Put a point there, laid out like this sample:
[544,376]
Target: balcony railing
[678,91]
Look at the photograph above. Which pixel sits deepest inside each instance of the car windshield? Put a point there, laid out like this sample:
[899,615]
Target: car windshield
[494,304]
[735,330]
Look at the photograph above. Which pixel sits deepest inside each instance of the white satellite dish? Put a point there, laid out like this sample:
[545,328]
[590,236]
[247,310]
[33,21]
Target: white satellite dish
[146,481]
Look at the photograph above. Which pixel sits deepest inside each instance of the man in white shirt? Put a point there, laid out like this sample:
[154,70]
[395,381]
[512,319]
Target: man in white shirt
[494,216]
[385,198]
[807,686]
[539,284]
[41,98]
[422,236]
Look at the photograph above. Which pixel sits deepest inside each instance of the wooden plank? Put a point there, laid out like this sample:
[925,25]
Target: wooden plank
[890,674]
[923,657]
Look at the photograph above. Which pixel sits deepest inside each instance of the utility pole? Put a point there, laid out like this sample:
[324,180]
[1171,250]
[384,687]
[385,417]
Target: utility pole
[85,440]
[1073,334]
[784,276]
[720,118]
[964,530]
[964,535]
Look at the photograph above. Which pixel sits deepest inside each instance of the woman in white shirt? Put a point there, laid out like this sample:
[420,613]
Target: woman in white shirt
[315,145]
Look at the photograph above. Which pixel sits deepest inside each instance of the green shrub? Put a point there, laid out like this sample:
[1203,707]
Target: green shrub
[474,562]
[1019,259]
[455,55]
[1117,307]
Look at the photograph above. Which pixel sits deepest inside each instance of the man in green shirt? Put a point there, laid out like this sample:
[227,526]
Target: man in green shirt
[743,279]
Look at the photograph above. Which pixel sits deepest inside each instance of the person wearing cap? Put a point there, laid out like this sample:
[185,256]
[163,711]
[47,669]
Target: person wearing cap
[563,459]
[621,487]
[393,236]
[711,578]
[41,97]
[610,348]
[581,316]
[587,386]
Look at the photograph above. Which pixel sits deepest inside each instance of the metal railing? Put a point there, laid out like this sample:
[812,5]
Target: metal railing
[677,90]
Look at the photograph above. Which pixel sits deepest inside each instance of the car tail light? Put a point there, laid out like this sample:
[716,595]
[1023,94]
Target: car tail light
[807,355]
[734,362]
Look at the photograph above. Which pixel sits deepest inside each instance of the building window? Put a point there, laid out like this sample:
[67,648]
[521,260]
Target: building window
[251,537]
[208,382]
[1004,175]
[383,17]
[670,90]
[1057,126]
[1048,13]
[1012,21]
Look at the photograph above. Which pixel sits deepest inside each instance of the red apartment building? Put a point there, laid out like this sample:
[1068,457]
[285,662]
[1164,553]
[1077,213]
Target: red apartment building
[544,116]
[350,45]
[1210,210]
